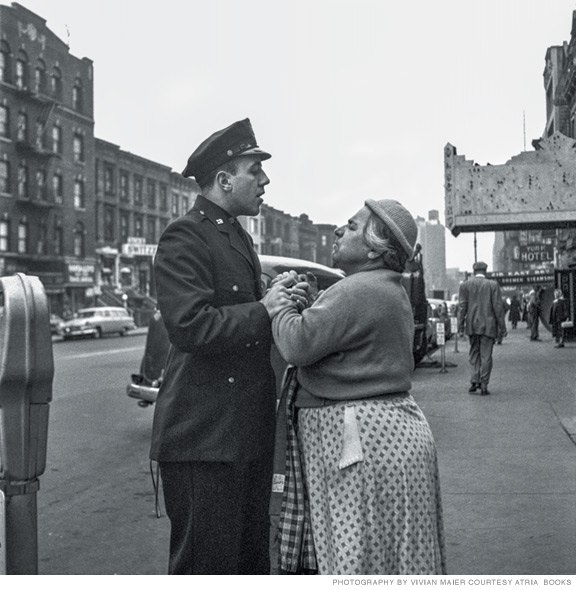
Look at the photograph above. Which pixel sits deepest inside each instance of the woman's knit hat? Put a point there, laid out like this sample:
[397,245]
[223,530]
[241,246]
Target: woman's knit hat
[398,220]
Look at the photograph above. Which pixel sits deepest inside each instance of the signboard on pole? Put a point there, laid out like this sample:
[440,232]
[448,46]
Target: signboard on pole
[440,334]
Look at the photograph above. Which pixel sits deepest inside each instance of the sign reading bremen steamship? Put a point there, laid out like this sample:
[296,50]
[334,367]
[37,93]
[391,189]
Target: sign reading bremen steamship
[533,189]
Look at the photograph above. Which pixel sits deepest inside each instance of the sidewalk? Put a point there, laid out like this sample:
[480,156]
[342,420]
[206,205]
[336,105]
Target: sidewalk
[507,460]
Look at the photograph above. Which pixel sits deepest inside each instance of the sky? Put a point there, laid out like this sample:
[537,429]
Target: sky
[355,99]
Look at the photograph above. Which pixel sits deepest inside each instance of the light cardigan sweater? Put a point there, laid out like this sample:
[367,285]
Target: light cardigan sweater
[354,342]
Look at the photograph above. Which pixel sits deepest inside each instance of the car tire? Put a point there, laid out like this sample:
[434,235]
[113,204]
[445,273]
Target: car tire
[97,333]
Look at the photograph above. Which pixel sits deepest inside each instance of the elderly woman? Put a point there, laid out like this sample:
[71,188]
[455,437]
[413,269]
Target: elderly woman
[368,455]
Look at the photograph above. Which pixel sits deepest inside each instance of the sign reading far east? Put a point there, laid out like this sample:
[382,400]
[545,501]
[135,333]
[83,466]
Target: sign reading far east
[522,277]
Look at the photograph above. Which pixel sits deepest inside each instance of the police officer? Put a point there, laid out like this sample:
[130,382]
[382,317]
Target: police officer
[214,418]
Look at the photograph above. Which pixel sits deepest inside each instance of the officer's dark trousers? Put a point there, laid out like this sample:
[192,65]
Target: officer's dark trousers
[481,348]
[219,516]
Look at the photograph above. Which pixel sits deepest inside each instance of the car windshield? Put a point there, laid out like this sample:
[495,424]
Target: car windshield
[86,314]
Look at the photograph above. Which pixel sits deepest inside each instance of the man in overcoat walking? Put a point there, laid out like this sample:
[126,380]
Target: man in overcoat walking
[481,317]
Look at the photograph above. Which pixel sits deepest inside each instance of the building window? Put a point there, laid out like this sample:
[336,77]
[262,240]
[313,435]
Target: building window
[23,181]
[185,204]
[78,147]
[324,240]
[163,198]
[109,224]
[4,177]
[151,194]
[124,226]
[42,244]
[79,240]
[58,238]
[22,237]
[138,226]
[138,190]
[79,200]
[124,187]
[4,62]
[175,204]
[22,71]
[77,96]
[4,235]
[57,139]
[56,83]
[41,185]
[108,179]
[151,238]
[254,226]
[40,78]
[22,126]
[4,121]
[58,188]
[39,135]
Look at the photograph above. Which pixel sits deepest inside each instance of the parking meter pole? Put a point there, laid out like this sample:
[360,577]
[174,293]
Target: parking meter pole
[22,529]
[2,535]
[26,374]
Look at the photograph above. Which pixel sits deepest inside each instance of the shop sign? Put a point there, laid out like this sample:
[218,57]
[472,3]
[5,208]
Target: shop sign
[534,253]
[139,249]
[522,277]
[80,273]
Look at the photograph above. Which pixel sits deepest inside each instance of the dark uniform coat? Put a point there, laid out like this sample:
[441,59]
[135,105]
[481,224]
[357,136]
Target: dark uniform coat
[217,399]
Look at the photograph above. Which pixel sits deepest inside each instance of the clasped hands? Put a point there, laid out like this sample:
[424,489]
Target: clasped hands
[289,289]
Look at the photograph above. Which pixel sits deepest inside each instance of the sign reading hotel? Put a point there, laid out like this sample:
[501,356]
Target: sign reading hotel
[532,253]
[534,189]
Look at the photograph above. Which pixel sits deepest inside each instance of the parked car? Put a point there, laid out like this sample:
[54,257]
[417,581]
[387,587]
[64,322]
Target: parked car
[55,324]
[144,385]
[98,321]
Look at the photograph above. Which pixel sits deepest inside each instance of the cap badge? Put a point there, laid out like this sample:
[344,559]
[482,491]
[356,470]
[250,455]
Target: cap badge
[219,222]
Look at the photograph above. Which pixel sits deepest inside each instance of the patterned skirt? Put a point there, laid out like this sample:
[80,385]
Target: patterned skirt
[372,480]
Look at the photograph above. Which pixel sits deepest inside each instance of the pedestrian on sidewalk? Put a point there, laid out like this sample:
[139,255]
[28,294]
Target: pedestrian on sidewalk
[534,309]
[558,314]
[515,311]
[214,420]
[481,317]
[369,457]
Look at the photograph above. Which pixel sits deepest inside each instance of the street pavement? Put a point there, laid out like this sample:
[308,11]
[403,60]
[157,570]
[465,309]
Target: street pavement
[507,460]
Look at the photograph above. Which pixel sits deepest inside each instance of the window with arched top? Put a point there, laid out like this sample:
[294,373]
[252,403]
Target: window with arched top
[77,96]
[22,82]
[40,84]
[79,240]
[5,62]
[56,83]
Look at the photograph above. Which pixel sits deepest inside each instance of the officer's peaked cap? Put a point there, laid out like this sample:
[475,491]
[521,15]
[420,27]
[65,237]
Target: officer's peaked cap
[235,140]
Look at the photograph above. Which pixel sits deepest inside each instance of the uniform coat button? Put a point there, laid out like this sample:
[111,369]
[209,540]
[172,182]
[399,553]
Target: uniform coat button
[231,379]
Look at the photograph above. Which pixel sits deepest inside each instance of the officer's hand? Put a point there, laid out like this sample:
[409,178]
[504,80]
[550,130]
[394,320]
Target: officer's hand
[279,296]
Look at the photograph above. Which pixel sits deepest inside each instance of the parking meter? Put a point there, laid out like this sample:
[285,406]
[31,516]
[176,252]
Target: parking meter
[26,375]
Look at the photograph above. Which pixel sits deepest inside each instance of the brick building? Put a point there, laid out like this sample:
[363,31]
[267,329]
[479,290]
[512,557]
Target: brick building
[77,211]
